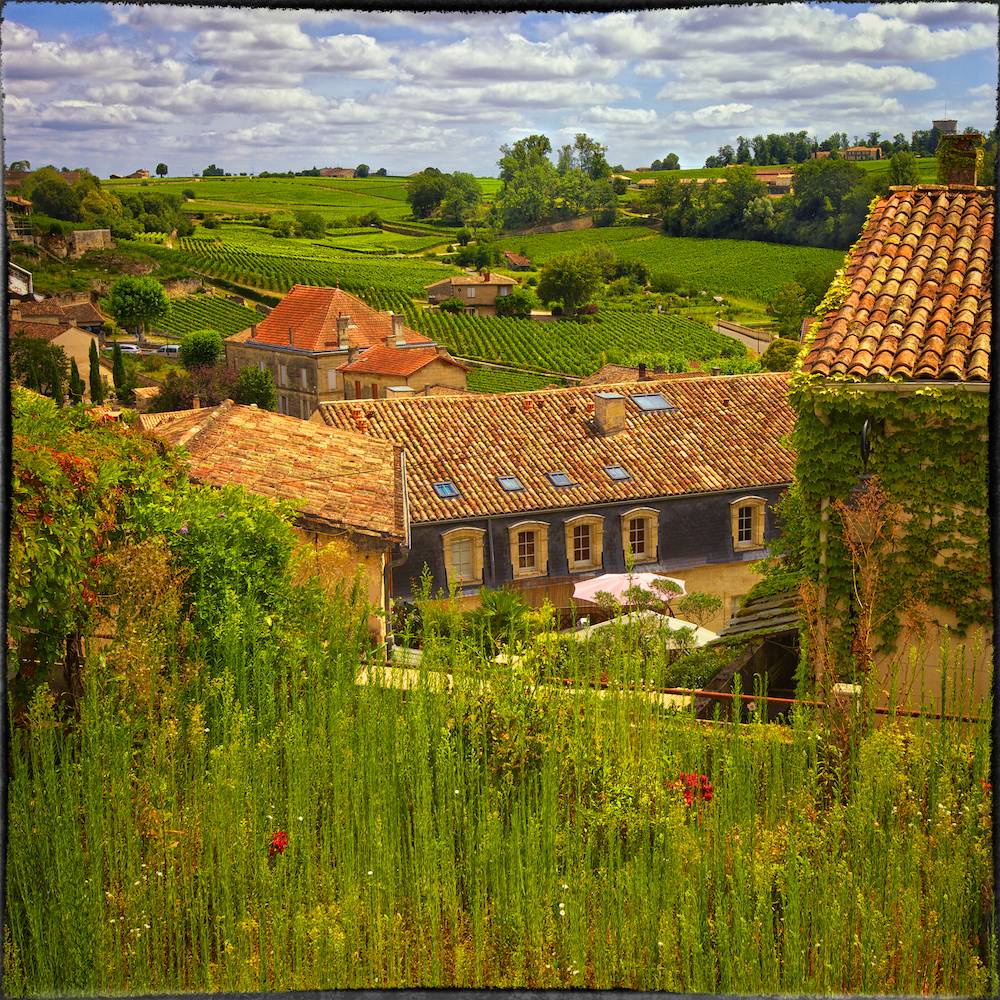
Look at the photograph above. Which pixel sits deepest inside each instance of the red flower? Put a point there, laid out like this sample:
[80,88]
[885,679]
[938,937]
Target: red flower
[694,784]
[279,841]
[987,787]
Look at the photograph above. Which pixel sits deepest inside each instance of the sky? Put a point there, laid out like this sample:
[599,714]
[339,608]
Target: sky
[115,87]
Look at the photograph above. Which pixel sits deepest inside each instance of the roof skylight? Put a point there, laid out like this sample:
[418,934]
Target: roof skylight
[616,472]
[652,401]
[446,490]
[559,479]
[510,483]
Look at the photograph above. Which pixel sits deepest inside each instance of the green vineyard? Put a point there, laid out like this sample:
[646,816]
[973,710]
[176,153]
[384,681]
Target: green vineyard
[565,346]
[496,380]
[742,268]
[202,312]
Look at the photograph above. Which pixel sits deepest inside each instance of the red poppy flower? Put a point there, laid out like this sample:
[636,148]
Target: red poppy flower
[279,841]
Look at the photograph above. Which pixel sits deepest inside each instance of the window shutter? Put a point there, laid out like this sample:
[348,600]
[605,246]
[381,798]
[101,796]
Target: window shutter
[542,549]
[477,555]
[653,537]
[734,524]
[597,543]
[758,524]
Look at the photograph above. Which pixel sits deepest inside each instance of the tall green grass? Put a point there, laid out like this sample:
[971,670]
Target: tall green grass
[505,834]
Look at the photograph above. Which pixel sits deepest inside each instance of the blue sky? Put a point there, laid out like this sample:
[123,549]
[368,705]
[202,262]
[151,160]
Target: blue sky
[117,87]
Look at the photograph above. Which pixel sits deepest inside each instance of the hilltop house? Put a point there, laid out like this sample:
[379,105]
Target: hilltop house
[516,261]
[862,153]
[898,369]
[324,344]
[479,292]
[540,490]
[74,341]
[141,174]
[348,491]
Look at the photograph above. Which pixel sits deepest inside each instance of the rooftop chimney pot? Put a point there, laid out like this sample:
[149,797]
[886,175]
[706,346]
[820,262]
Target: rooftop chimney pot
[642,371]
[342,323]
[253,331]
[716,371]
[196,402]
[397,329]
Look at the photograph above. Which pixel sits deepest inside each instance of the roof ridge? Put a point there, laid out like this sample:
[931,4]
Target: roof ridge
[210,418]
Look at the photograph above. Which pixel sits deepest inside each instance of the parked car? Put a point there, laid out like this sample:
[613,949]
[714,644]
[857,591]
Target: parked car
[171,350]
[125,348]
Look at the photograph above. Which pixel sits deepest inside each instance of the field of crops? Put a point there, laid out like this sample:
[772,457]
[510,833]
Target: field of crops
[497,380]
[926,169]
[204,312]
[743,268]
[564,346]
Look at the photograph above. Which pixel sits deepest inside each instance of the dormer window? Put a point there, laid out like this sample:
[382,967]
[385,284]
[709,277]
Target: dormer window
[747,523]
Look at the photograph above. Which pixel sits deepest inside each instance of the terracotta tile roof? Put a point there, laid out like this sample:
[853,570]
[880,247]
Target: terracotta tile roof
[83,312]
[43,331]
[920,303]
[446,390]
[489,278]
[334,479]
[311,313]
[625,373]
[16,199]
[382,360]
[726,433]
[45,307]
[517,259]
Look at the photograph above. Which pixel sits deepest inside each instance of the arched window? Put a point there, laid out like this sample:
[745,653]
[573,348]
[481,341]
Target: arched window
[746,517]
[584,542]
[640,531]
[463,555]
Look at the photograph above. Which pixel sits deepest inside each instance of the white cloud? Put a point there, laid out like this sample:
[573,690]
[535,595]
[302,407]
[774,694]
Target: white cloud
[621,116]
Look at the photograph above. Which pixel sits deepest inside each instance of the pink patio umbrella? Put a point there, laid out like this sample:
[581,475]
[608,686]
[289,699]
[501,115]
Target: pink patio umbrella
[618,585]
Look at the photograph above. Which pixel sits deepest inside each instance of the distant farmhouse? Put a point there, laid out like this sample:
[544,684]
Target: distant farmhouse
[479,292]
[862,153]
[336,172]
[324,344]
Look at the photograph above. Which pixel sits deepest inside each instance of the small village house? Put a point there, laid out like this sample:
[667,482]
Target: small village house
[324,344]
[862,153]
[74,341]
[479,292]
[898,369]
[348,490]
[540,490]
[516,261]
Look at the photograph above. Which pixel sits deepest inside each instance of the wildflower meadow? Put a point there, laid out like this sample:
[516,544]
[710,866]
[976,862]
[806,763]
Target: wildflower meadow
[215,803]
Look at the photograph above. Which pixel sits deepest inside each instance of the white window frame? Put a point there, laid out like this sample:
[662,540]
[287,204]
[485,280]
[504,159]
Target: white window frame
[470,292]
[282,375]
[331,380]
[456,536]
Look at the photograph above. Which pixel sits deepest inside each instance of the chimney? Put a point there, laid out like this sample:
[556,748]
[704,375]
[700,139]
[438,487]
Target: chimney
[196,402]
[716,371]
[427,389]
[486,275]
[397,329]
[352,354]
[609,412]
[291,338]
[960,158]
[342,323]
[642,372]
[658,370]
[253,331]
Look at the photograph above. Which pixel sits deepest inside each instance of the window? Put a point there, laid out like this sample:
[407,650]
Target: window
[640,528]
[559,479]
[357,388]
[505,289]
[471,291]
[584,542]
[651,401]
[331,380]
[747,523]
[529,549]
[463,555]
[617,473]
[260,365]
[282,374]
[510,483]
[283,404]
[304,373]
[374,390]
[446,490]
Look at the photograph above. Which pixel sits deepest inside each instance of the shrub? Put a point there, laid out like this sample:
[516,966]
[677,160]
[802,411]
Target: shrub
[664,281]
[452,305]
[256,385]
[200,348]
[210,223]
[780,355]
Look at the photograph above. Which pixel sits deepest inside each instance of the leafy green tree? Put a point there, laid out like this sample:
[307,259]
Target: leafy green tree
[361,170]
[20,166]
[256,385]
[104,210]
[201,348]
[381,172]
[780,355]
[463,236]
[461,199]
[530,152]
[452,304]
[189,193]
[96,382]
[161,170]
[311,224]
[518,303]
[53,379]
[903,169]
[790,306]
[135,303]
[426,191]
[212,171]
[51,195]
[31,360]
[570,280]
[76,386]
[698,606]
[118,370]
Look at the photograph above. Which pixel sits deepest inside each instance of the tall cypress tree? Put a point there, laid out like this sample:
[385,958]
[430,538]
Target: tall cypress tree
[118,371]
[96,383]
[75,383]
[54,377]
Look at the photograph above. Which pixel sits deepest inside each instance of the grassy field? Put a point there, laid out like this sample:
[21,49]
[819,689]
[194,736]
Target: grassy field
[742,268]
[926,169]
